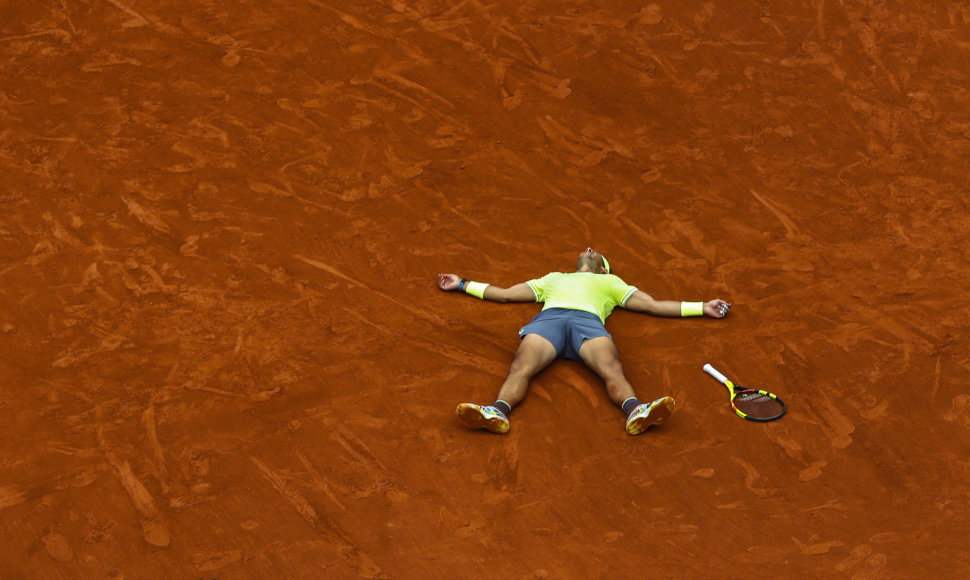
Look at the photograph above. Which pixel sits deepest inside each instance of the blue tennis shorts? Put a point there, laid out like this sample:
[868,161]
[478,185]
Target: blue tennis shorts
[566,329]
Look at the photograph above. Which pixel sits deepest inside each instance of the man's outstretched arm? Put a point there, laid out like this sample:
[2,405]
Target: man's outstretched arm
[518,293]
[643,302]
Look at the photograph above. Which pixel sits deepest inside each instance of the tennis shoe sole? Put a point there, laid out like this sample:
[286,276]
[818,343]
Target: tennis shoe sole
[478,417]
[649,415]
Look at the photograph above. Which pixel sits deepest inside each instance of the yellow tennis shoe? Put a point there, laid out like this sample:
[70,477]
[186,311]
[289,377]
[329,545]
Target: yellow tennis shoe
[482,417]
[646,415]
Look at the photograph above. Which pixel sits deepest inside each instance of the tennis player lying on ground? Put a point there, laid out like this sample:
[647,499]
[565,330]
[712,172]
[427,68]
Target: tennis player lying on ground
[571,325]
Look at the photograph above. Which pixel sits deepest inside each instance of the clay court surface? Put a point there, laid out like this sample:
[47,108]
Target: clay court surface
[224,354]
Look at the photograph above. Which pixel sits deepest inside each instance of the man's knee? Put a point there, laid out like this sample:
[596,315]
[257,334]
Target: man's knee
[611,366]
[520,366]
[526,363]
[605,362]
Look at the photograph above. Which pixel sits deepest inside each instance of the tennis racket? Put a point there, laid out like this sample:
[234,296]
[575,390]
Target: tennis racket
[750,404]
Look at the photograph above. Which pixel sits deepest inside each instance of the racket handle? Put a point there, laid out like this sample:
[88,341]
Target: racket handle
[715,373]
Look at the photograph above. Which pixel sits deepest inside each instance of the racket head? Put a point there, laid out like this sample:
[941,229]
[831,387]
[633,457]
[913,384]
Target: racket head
[757,405]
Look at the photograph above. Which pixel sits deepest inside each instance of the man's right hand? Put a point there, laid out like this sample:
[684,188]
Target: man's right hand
[448,282]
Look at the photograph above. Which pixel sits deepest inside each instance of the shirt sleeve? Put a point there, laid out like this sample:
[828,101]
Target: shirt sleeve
[539,287]
[622,291]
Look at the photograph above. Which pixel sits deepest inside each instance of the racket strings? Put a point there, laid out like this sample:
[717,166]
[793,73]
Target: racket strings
[758,405]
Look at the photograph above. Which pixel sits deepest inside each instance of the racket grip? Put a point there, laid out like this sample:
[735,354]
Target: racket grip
[715,373]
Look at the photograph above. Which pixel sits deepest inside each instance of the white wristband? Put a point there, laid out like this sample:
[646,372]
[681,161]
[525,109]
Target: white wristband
[476,289]
[692,309]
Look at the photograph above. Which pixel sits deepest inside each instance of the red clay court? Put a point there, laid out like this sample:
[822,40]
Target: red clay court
[224,354]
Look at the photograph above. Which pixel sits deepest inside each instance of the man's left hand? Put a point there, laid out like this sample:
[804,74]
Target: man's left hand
[717,308]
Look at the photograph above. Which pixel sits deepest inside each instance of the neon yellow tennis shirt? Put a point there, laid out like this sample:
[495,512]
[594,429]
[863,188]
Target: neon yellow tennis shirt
[587,291]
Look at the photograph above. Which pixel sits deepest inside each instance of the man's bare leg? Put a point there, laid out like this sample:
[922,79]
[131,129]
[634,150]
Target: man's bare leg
[534,354]
[601,356]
